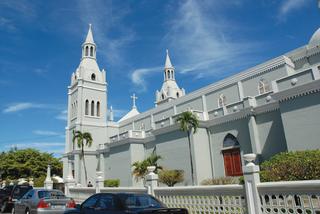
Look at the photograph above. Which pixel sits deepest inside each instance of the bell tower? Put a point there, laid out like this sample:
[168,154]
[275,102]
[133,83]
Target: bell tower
[87,109]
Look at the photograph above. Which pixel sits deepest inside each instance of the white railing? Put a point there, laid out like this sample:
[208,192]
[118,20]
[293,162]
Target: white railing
[204,199]
[290,197]
[251,198]
[79,194]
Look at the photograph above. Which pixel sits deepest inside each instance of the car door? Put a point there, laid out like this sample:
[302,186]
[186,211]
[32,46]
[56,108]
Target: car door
[23,203]
[90,205]
[108,203]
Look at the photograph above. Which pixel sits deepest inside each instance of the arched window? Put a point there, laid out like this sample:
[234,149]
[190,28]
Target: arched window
[98,109]
[87,51]
[162,96]
[92,108]
[91,51]
[177,94]
[263,86]
[222,100]
[231,156]
[86,112]
[93,77]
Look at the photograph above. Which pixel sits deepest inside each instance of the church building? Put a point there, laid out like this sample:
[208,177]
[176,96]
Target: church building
[270,108]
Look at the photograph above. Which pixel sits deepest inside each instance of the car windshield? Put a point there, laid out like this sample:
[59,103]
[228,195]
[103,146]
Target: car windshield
[51,194]
[132,201]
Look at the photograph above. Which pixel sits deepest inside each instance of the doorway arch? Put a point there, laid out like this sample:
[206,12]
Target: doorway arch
[231,156]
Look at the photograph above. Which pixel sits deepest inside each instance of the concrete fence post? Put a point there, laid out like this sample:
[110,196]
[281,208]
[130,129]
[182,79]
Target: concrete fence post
[151,180]
[251,179]
[99,181]
[48,183]
[69,182]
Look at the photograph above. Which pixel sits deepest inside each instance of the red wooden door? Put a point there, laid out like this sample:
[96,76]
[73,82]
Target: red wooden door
[232,162]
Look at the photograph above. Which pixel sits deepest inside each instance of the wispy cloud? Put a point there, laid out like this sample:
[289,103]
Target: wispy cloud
[46,133]
[21,106]
[206,41]
[8,24]
[50,147]
[40,71]
[62,115]
[138,77]
[111,22]
[289,6]
[203,43]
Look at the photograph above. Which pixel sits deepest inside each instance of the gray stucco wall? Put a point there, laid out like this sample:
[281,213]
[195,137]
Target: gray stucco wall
[239,129]
[301,121]
[250,86]
[271,134]
[119,164]
[173,147]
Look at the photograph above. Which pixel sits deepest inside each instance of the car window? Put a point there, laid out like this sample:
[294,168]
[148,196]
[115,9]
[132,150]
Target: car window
[140,201]
[90,202]
[29,194]
[53,194]
[19,191]
[107,202]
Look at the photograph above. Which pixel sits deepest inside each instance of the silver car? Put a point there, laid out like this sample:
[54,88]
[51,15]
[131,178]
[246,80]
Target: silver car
[43,201]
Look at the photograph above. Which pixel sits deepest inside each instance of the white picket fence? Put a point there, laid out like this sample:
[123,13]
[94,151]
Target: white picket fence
[291,197]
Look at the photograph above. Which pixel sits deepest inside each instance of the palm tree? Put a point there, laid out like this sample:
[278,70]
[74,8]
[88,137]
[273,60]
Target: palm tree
[140,167]
[188,123]
[82,140]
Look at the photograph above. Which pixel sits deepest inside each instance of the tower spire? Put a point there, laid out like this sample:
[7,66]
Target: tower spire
[89,38]
[168,61]
[89,47]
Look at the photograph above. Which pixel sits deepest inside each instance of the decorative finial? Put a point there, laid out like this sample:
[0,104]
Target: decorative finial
[134,98]
[168,50]
[90,25]
[111,114]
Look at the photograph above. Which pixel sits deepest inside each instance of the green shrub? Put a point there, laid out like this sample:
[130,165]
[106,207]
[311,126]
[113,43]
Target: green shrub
[111,183]
[221,181]
[291,166]
[171,177]
[39,182]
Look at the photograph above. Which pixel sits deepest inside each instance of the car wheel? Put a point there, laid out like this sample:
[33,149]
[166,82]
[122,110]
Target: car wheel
[27,211]
[13,211]
[3,207]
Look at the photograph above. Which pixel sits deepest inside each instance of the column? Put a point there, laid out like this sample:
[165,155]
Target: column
[251,180]
[151,180]
[254,135]
[204,105]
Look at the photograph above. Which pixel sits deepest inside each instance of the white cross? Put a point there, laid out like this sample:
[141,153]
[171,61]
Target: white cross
[134,98]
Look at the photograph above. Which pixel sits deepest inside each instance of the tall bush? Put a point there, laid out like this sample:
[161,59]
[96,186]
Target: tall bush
[291,166]
[171,177]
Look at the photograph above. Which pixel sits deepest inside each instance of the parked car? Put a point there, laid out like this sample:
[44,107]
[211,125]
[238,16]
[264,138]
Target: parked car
[123,203]
[10,194]
[43,201]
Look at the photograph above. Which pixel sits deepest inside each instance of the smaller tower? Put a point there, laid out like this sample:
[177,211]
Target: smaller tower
[170,89]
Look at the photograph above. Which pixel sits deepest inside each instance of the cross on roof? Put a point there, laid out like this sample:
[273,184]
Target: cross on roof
[134,98]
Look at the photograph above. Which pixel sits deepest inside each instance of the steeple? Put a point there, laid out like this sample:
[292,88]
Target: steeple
[89,47]
[89,38]
[168,69]
[168,61]
[170,89]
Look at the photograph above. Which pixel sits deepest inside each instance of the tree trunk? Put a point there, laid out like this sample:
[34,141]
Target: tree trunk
[190,154]
[84,166]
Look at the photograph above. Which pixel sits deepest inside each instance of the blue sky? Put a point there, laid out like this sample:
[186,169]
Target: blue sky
[208,40]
